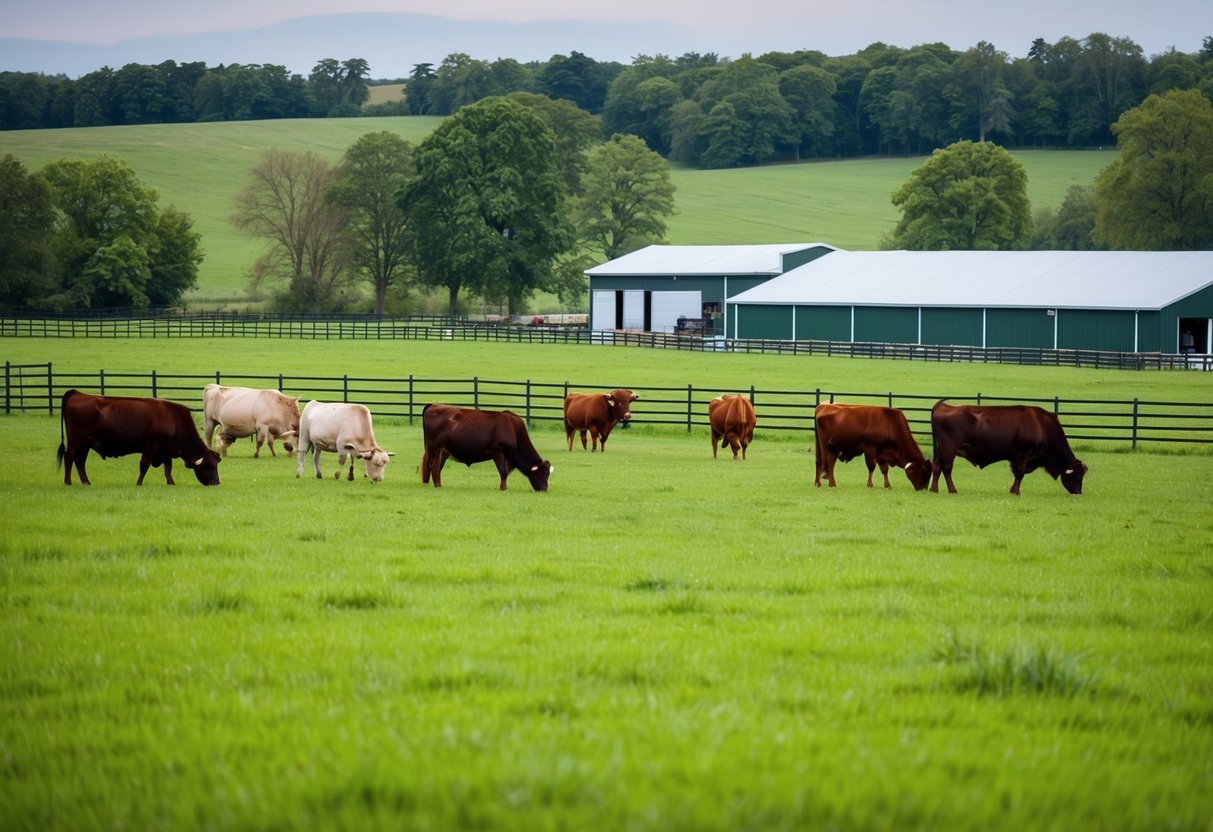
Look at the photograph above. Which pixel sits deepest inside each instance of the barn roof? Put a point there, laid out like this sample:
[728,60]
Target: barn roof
[1056,279]
[662,260]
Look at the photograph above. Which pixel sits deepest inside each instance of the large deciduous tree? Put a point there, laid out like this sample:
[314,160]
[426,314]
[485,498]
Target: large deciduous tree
[372,172]
[113,244]
[1158,193]
[286,203]
[487,203]
[27,217]
[628,194]
[969,195]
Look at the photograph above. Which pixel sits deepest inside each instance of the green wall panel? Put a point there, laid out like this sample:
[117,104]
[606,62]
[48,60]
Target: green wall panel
[1095,329]
[951,327]
[823,323]
[888,324]
[761,321]
[1019,328]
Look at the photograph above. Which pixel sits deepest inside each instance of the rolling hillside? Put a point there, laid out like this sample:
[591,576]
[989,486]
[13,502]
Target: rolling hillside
[198,167]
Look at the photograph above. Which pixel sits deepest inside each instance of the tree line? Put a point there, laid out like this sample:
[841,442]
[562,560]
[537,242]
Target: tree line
[509,196]
[700,109]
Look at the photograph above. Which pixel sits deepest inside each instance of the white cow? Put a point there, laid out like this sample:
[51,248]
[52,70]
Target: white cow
[345,429]
[246,411]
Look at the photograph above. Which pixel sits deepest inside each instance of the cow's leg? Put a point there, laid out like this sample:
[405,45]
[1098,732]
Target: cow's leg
[884,471]
[583,443]
[503,468]
[316,463]
[568,434]
[301,454]
[208,425]
[352,457]
[1018,471]
[168,471]
[831,460]
[593,439]
[945,465]
[436,463]
[715,441]
[818,459]
[869,459]
[76,456]
[425,466]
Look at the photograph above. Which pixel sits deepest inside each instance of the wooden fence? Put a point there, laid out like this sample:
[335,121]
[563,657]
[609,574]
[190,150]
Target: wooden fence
[369,327]
[33,388]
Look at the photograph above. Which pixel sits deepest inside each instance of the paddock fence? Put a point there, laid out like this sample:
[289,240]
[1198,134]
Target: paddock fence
[38,388]
[370,327]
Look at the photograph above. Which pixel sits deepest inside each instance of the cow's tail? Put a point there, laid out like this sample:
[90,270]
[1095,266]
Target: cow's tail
[934,437]
[62,431]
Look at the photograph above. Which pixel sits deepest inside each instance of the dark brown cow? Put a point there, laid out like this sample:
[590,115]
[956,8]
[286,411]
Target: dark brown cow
[158,430]
[731,419]
[597,413]
[881,434]
[1027,437]
[471,436]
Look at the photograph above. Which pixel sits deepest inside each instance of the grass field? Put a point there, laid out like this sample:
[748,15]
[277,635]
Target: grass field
[662,641]
[199,167]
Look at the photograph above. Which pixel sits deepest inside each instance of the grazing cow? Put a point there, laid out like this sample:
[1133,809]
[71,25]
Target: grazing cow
[158,430]
[245,411]
[1027,437]
[597,413]
[732,419]
[342,428]
[881,434]
[471,436]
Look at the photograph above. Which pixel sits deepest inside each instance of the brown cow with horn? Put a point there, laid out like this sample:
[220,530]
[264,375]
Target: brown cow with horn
[597,413]
[881,434]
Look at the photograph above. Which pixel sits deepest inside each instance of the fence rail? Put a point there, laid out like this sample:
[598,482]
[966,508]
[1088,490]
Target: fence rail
[38,388]
[369,327]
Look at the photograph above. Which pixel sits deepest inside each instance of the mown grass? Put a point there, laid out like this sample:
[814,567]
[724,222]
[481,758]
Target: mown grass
[199,168]
[661,641]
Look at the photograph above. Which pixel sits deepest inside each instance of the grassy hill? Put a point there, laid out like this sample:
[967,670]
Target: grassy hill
[198,167]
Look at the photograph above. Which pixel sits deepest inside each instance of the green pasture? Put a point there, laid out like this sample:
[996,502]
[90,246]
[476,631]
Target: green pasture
[662,641]
[199,167]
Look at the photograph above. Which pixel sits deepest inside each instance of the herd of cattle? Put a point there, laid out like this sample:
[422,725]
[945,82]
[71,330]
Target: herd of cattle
[161,431]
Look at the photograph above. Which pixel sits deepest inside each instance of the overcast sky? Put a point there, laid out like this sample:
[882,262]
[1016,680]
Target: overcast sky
[836,27]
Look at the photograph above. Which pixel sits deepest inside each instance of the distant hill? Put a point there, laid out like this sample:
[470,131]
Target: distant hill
[391,43]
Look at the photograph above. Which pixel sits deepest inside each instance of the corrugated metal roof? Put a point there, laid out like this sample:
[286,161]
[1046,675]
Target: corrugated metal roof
[662,261]
[1055,279]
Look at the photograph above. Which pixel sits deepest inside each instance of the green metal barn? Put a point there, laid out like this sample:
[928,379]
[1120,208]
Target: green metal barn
[1126,301]
[683,288]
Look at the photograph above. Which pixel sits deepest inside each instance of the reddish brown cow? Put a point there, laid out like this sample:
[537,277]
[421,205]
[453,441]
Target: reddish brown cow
[732,419]
[1027,437]
[158,430]
[881,434]
[597,413]
[471,436]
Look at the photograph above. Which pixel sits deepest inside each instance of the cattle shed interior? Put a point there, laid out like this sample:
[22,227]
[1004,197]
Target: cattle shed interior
[1125,301]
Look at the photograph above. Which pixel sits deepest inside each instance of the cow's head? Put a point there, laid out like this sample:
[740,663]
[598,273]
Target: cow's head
[1071,478]
[621,402]
[205,467]
[288,438]
[539,473]
[376,460]
[919,474]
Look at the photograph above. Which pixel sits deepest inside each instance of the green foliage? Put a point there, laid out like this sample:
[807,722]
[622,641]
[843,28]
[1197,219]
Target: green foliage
[114,246]
[1069,228]
[968,196]
[488,203]
[574,130]
[27,218]
[1158,193]
[372,173]
[627,196]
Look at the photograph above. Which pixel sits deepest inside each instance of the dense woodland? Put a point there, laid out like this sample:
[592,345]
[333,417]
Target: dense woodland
[704,110]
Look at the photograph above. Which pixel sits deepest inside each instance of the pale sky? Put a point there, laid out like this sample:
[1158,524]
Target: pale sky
[835,27]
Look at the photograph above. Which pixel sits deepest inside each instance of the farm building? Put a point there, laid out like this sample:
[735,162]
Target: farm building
[683,288]
[1126,301]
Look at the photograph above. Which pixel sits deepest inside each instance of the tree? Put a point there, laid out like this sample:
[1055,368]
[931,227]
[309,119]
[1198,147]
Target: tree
[374,169]
[810,91]
[27,218]
[1158,193]
[628,196]
[1072,227]
[113,244]
[575,131]
[969,195]
[980,72]
[286,203]
[487,203]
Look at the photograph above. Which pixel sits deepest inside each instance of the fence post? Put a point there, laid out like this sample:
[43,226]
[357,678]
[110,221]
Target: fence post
[281,382]
[1135,402]
[890,398]
[345,380]
[979,398]
[688,408]
[528,401]
[475,392]
[1056,406]
[50,390]
[101,379]
[410,398]
[817,397]
[153,384]
[8,388]
[217,381]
